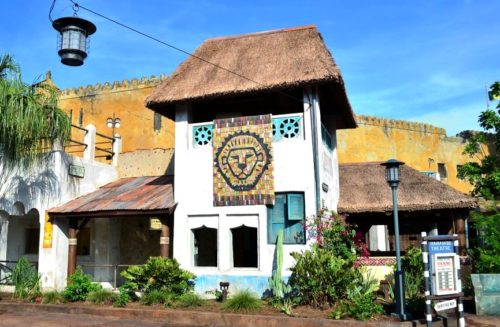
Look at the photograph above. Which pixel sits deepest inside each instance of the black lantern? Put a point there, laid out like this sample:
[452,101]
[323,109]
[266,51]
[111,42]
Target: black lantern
[74,32]
[392,171]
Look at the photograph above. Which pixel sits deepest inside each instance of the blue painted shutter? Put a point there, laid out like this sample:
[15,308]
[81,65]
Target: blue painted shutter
[294,231]
[276,218]
[295,206]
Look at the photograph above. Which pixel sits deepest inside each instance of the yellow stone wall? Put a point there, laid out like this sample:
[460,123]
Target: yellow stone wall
[419,145]
[126,100]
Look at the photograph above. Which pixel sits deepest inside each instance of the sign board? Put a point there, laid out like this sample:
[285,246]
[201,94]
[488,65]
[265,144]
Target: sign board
[445,305]
[76,171]
[445,273]
[154,223]
[47,232]
[441,247]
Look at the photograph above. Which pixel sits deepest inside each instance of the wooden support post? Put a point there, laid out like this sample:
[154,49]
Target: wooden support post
[459,224]
[165,238]
[73,230]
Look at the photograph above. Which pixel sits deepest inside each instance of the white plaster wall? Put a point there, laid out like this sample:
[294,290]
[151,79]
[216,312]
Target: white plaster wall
[45,186]
[293,171]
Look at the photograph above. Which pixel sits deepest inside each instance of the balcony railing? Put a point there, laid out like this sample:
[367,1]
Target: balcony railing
[285,127]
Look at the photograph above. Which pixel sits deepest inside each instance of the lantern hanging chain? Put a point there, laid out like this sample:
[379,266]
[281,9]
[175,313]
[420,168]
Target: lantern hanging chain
[77,5]
[75,9]
[51,9]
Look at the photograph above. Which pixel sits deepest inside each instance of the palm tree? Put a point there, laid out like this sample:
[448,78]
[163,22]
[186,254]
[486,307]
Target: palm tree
[30,121]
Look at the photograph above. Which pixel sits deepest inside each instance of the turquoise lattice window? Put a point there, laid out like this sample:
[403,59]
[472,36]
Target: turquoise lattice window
[286,128]
[202,135]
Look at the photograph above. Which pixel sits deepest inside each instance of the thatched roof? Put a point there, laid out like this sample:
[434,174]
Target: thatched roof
[363,189]
[276,60]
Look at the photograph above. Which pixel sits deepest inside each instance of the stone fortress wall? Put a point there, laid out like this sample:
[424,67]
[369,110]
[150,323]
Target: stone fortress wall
[421,146]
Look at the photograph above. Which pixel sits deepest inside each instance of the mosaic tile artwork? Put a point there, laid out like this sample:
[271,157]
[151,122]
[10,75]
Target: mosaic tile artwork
[243,167]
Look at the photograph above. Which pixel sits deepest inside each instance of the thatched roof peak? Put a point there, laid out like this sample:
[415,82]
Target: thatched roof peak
[257,34]
[270,61]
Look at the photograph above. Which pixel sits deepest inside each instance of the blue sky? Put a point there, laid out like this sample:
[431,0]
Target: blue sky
[419,60]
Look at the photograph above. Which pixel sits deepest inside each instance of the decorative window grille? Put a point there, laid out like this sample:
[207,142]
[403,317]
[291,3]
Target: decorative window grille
[202,135]
[286,128]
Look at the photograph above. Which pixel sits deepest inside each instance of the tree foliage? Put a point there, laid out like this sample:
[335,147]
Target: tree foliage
[30,121]
[485,174]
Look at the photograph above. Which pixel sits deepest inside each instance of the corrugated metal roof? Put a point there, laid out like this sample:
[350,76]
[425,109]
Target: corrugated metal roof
[132,195]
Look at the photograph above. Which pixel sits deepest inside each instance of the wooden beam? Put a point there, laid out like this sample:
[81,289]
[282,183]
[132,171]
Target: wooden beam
[72,242]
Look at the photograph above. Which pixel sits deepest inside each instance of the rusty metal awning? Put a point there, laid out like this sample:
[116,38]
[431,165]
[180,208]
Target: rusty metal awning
[124,197]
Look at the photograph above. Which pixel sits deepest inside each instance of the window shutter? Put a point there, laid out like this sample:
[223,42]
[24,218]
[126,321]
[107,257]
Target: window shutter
[295,206]
[276,218]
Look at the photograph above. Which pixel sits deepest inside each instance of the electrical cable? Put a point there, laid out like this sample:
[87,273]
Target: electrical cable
[77,5]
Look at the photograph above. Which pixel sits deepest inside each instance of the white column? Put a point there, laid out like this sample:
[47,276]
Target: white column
[117,148]
[89,140]
[182,188]
[4,227]
[377,235]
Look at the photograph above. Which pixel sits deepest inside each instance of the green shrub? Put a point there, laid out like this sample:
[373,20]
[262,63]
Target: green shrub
[26,280]
[189,300]
[53,297]
[79,286]
[157,297]
[321,275]
[361,301]
[159,273]
[412,266]
[243,301]
[486,255]
[102,296]
[122,299]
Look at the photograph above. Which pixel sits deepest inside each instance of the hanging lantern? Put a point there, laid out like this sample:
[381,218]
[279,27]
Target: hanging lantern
[74,32]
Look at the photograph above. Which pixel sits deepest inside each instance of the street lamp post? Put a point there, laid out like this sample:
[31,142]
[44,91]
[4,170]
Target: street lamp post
[113,123]
[392,176]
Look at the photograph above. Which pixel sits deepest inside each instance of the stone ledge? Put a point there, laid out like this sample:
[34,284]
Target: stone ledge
[190,318]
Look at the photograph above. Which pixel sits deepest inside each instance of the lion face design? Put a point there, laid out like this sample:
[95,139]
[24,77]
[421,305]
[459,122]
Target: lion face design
[242,159]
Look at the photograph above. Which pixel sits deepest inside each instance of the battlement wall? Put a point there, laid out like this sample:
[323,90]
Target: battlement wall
[116,86]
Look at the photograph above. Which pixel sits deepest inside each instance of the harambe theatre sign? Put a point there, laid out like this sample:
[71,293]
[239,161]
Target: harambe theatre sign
[243,170]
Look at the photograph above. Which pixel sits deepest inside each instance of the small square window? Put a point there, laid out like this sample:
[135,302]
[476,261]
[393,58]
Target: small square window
[157,121]
[287,214]
[205,247]
[244,241]
[442,170]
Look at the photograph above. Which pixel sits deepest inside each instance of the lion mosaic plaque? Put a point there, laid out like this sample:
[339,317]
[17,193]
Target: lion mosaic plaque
[243,161]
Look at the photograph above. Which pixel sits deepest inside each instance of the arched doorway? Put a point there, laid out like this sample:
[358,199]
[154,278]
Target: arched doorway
[23,235]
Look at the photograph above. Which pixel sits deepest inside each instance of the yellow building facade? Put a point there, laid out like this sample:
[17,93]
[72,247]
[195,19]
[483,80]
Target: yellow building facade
[140,128]
[421,146]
